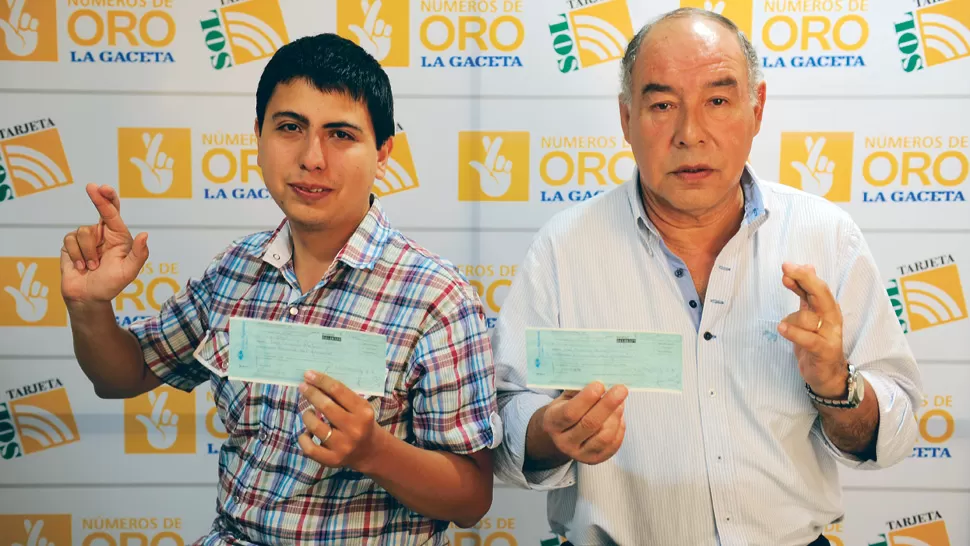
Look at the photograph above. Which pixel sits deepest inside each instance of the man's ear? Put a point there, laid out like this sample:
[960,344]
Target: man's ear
[383,154]
[256,128]
[625,119]
[759,107]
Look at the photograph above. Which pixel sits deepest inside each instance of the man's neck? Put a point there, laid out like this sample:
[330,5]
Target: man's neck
[314,251]
[704,233]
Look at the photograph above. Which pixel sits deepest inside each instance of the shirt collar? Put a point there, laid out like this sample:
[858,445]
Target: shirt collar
[362,250]
[755,207]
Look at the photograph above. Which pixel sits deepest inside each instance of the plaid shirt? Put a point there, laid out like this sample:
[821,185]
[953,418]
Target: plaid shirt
[439,393]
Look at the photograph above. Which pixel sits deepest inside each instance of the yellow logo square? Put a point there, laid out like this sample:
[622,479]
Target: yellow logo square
[493,166]
[36,161]
[740,12]
[255,29]
[602,31]
[945,31]
[45,420]
[932,534]
[934,297]
[31,292]
[160,421]
[31,529]
[400,174]
[154,162]
[370,25]
[818,163]
[29,30]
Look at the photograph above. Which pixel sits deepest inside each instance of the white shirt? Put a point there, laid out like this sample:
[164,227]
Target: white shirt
[739,457]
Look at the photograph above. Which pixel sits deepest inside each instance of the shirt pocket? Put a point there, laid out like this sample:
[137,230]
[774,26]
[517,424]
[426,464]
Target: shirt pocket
[773,382]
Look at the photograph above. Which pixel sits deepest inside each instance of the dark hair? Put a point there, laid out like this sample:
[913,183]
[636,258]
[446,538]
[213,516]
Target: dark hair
[331,63]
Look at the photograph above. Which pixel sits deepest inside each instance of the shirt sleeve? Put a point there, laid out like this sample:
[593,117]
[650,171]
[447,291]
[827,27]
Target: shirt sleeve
[531,302]
[454,405]
[169,339]
[876,344]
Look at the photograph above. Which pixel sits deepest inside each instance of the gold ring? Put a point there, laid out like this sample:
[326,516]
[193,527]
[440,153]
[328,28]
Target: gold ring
[327,437]
[819,326]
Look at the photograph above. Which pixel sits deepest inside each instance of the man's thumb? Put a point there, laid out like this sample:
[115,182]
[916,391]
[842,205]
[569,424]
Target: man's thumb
[139,250]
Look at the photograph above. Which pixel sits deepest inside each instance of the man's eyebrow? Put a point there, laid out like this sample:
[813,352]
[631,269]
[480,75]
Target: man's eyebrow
[303,119]
[727,81]
[656,88]
[293,115]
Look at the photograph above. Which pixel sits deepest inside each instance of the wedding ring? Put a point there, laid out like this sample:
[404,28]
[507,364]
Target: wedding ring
[327,437]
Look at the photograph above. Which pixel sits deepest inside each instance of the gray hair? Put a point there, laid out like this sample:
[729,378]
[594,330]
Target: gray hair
[755,76]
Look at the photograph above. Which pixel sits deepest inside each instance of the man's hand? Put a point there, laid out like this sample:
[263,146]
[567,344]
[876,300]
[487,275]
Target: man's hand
[98,261]
[350,437]
[587,426]
[816,331]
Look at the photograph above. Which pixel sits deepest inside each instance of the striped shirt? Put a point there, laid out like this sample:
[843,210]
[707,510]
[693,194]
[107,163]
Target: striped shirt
[739,457]
[439,393]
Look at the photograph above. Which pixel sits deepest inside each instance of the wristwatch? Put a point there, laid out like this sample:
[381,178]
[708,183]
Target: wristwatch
[856,388]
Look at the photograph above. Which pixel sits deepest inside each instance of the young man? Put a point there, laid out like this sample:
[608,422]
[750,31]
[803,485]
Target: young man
[384,470]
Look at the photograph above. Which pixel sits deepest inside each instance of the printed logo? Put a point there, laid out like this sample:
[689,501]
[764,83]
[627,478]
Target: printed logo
[927,529]
[35,418]
[830,34]
[154,163]
[130,530]
[229,164]
[121,32]
[591,35]
[31,292]
[370,25]
[35,530]
[32,159]
[29,30]
[244,32]
[936,427]
[895,169]
[818,163]
[492,282]
[934,34]
[144,297]
[400,174]
[493,166]
[489,530]
[738,11]
[928,293]
[160,421]
[577,168]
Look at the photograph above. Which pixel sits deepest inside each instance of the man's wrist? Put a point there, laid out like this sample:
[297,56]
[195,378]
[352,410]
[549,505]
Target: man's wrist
[836,388]
[380,444]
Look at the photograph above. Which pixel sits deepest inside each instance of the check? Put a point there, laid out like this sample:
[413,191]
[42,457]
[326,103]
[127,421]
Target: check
[570,359]
[279,353]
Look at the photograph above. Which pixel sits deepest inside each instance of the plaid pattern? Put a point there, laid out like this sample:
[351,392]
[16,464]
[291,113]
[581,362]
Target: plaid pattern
[439,393]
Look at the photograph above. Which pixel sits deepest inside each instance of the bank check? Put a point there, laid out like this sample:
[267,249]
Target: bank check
[280,353]
[570,359]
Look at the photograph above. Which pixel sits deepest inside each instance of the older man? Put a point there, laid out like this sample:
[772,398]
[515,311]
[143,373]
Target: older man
[792,357]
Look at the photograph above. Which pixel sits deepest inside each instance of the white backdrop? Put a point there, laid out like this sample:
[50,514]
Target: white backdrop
[882,89]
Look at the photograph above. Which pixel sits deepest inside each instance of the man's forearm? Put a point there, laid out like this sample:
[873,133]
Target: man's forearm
[541,452]
[437,484]
[109,355]
[855,430]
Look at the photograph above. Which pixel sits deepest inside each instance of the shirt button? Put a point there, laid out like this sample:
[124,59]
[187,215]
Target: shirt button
[708,336]
[712,393]
[263,435]
[294,311]
[679,273]
[693,304]
[235,499]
